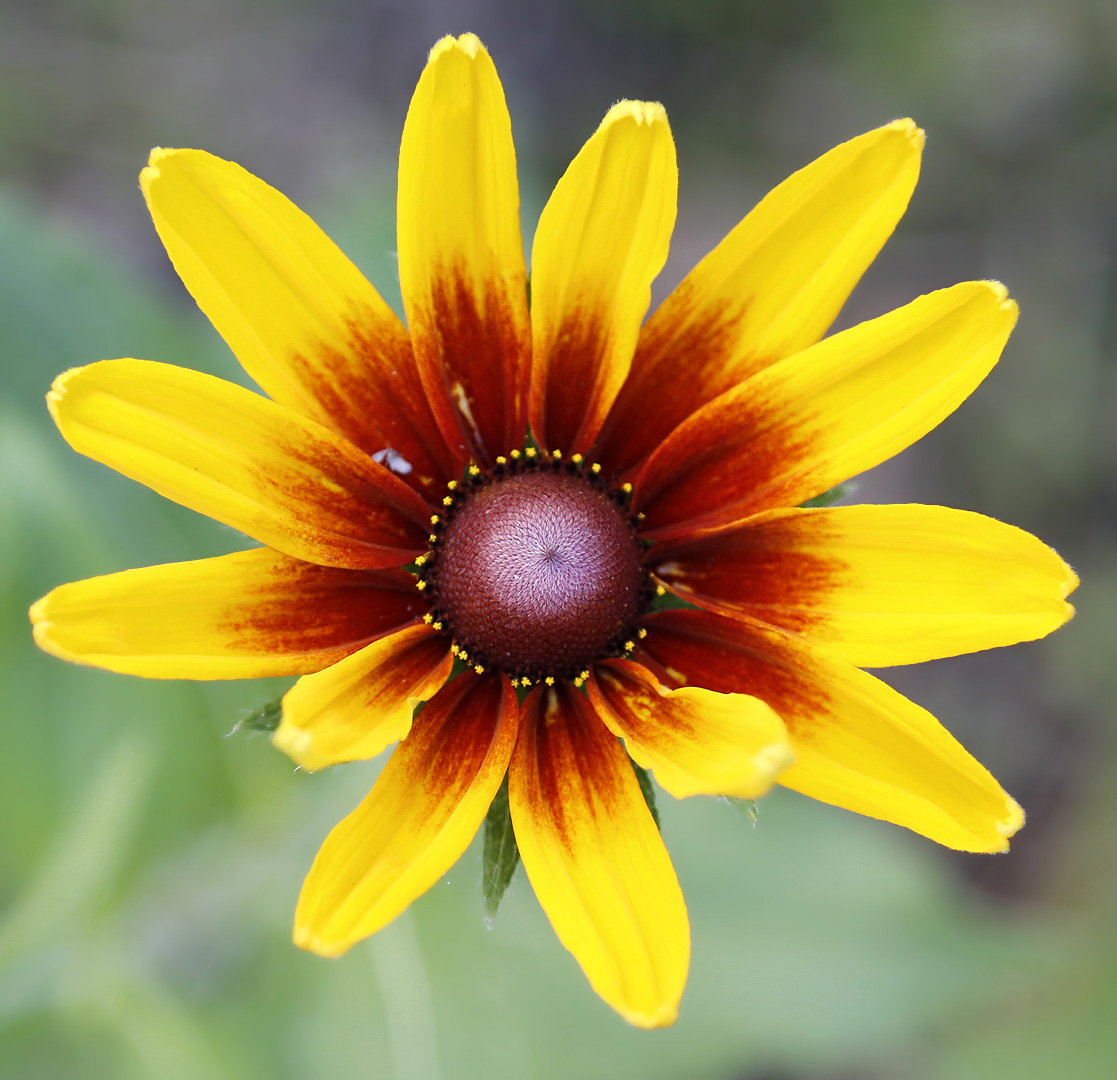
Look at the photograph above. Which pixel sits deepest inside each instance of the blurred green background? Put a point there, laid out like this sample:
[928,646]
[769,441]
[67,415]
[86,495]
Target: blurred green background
[150,858]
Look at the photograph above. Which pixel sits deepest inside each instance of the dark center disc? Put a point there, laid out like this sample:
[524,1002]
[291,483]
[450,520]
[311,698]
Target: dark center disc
[539,574]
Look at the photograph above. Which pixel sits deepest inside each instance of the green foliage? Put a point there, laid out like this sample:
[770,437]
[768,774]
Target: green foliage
[499,853]
[835,494]
[647,789]
[746,806]
[265,718]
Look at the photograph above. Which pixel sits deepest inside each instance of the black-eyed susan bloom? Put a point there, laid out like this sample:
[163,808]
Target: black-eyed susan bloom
[503,491]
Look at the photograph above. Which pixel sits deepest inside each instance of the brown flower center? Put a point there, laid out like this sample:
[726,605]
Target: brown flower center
[539,574]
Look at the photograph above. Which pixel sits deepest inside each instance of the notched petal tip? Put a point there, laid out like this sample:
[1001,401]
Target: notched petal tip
[297,743]
[911,130]
[470,44]
[1009,825]
[643,112]
[304,938]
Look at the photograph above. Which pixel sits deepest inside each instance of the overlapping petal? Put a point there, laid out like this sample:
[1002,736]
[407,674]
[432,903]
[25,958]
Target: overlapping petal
[850,402]
[239,616]
[698,742]
[418,819]
[601,239]
[461,259]
[299,316]
[595,858]
[246,461]
[857,742]
[354,709]
[879,585]
[769,289]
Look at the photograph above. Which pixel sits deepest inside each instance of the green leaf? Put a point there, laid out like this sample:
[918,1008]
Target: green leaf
[500,855]
[265,718]
[746,806]
[828,498]
[644,779]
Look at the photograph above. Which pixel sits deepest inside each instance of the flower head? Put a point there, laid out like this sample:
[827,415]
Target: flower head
[488,510]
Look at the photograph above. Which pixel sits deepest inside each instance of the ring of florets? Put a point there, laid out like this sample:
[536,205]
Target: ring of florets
[534,568]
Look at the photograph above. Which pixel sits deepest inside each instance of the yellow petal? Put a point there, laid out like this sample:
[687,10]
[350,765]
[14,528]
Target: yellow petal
[418,819]
[237,457]
[769,289]
[879,585]
[354,709]
[857,742]
[299,316]
[698,742]
[238,616]
[461,257]
[595,858]
[602,238]
[842,406]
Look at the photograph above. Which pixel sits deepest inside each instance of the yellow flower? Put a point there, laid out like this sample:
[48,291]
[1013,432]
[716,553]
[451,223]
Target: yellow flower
[407,523]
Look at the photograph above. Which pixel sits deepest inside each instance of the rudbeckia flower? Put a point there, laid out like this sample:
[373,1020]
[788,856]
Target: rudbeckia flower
[574,536]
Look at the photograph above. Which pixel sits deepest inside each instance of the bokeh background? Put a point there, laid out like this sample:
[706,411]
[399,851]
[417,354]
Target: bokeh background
[150,855]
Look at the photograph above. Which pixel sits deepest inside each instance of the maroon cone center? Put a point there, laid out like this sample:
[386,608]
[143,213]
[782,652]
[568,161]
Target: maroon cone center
[539,574]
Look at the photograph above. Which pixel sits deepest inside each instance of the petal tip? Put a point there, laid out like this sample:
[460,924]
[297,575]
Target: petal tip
[642,112]
[911,130]
[770,761]
[662,1017]
[306,939]
[297,743]
[1011,823]
[470,44]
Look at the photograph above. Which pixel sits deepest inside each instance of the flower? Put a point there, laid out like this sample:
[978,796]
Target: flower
[417,548]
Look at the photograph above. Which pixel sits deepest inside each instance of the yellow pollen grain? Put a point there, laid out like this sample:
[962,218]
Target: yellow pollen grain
[435,519]
[595,468]
[660,590]
[420,559]
[550,680]
[557,455]
[516,682]
[577,459]
[464,655]
[626,488]
[584,675]
[530,452]
[643,633]
[428,617]
[501,460]
[514,454]
[455,649]
[448,500]
[479,668]
[437,625]
[452,485]
[475,470]
[525,681]
[629,646]
[420,585]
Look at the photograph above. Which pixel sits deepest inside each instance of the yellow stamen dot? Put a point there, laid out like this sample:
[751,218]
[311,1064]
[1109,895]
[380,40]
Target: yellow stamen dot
[448,500]
[435,519]
[420,559]
[428,617]
[455,649]
[577,459]
[557,455]
[475,470]
[437,625]
[595,468]
[502,460]
[525,681]
[452,485]
[660,590]
[516,682]
[626,488]
[463,654]
[514,454]
[578,681]
[584,675]
[550,680]
[420,585]
[433,538]
[629,646]
[643,632]
[479,668]
[530,451]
